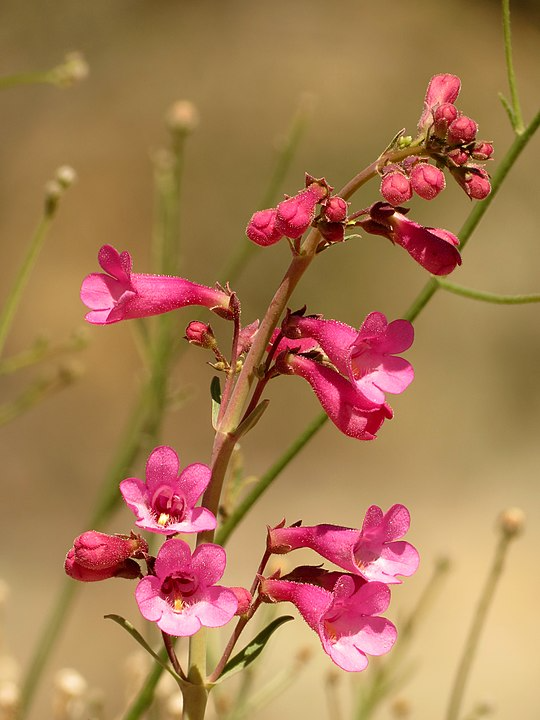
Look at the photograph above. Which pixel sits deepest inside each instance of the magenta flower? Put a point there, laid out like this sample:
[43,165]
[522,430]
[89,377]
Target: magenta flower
[262,228]
[434,249]
[443,88]
[366,356]
[296,214]
[122,295]
[349,410]
[344,617]
[182,595]
[374,552]
[165,503]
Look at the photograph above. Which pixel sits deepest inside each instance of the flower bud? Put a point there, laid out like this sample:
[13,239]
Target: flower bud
[244,599]
[474,180]
[396,188]
[96,551]
[512,522]
[462,130]
[427,181]
[458,157]
[127,569]
[442,117]
[482,151]
[262,228]
[200,334]
[336,209]
[296,214]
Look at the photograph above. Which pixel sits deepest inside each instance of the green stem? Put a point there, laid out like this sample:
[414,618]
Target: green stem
[478,211]
[479,620]
[487,296]
[14,297]
[516,107]
[31,78]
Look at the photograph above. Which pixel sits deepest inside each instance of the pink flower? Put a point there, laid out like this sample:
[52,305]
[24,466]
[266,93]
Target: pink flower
[165,503]
[349,410]
[123,295]
[182,595]
[443,88]
[344,616]
[366,356]
[434,249]
[96,550]
[262,228]
[371,552]
[296,214]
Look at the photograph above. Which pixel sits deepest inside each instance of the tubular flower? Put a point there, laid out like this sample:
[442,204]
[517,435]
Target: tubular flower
[344,614]
[366,356]
[349,410]
[434,249]
[182,595]
[374,552]
[118,294]
[165,503]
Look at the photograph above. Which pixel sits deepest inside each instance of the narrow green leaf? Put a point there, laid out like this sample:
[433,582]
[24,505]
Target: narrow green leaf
[252,419]
[253,649]
[142,642]
[215,393]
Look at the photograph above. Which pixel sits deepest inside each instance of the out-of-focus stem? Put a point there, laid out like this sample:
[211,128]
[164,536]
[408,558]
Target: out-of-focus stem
[487,296]
[479,620]
[516,107]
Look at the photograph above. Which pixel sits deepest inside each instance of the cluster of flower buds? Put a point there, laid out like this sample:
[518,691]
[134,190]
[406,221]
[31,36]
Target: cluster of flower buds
[349,370]
[344,608]
[448,137]
[292,217]
[179,590]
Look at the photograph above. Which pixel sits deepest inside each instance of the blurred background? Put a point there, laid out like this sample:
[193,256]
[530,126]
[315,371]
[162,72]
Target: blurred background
[464,442]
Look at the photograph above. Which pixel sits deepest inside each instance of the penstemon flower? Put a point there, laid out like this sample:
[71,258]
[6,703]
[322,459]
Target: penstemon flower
[374,552]
[343,613]
[165,503]
[183,596]
[122,295]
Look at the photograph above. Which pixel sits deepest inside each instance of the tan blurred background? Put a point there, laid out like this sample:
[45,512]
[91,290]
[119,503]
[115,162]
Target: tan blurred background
[465,440]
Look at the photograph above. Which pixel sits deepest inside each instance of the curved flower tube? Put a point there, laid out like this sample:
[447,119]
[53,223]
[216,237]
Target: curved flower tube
[118,294]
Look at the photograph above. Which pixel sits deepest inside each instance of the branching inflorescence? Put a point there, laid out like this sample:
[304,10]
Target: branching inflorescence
[350,370]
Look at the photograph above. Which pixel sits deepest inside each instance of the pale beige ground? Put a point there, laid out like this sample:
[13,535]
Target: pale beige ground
[464,443]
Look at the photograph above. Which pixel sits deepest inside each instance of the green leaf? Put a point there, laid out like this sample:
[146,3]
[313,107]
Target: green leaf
[252,419]
[253,649]
[142,642]
[215,393]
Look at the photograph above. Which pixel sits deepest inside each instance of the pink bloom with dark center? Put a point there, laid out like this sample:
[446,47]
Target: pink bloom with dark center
[344,617]
[374,552]
[182,595]
[367,356]
[349,410]
[434,249]
[122,295]
[262,228]
[443,88]
[165,503]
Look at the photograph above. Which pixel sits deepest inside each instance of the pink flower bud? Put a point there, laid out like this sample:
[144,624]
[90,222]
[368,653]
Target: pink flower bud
[332,232]
[458,157]
[442,117]
[482,151]
[442,89]
[262,228]
[244,599]
[336,209]
[474,180]
[296,214]
[462,130]
[396,188]
[128,569]
[201,334]
[427,181]
[96,551]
